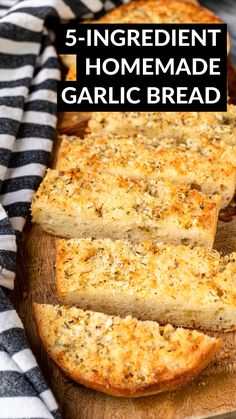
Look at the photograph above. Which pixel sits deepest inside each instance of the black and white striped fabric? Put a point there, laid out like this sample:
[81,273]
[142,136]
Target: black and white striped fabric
[29,72]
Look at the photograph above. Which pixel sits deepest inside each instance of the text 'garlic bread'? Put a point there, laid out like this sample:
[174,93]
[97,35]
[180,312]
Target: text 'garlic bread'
[122,357]
[196,129]
[184,286]
[141,157]
[93,204]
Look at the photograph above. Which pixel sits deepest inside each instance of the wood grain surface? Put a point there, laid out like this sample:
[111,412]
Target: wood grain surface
[213,393]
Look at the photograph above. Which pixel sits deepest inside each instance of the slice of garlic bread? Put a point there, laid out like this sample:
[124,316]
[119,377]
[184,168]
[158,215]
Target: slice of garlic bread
[195,129]
[141,157]
[184,286]
[122,357]
[93,204]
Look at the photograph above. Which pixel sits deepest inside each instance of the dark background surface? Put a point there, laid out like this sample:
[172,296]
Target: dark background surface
[226,9]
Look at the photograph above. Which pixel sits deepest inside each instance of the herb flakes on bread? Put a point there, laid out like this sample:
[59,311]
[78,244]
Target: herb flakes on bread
[184,286]
[142,157]
[122,357]
[93,204]
[195,129]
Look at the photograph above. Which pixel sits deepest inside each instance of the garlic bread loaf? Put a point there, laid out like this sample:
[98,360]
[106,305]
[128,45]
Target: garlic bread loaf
[122,357]
[196,129]
[141,157]
[184,286]
[93,204]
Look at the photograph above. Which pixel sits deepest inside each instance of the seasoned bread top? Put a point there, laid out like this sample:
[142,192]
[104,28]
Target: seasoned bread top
[146,202]
[197,276]
[196,129]
[223,123]
[161,11]
[140,156]
[123,354]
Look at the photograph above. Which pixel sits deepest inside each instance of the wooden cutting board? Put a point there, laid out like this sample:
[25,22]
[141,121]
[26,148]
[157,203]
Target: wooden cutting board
[213,393]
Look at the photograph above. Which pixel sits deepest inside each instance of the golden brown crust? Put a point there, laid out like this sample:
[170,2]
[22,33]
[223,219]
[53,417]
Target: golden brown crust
[109,376]
[161,11]
[167,385]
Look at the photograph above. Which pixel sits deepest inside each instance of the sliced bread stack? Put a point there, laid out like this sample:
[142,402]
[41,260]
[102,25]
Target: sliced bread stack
[109,188]
[156,191]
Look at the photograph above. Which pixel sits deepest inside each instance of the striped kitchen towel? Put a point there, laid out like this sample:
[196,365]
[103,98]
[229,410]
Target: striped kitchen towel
[29,72]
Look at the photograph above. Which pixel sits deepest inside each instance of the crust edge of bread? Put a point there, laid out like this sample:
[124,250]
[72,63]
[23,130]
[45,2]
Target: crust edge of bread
[170,384]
